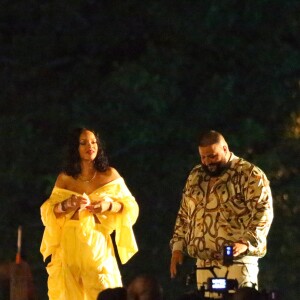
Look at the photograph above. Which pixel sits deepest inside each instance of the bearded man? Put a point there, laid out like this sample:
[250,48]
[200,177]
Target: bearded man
[226,201]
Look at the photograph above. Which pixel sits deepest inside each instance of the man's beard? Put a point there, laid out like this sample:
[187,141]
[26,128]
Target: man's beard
[216,169]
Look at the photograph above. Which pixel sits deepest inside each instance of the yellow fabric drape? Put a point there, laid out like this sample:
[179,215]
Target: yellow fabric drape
[121,222]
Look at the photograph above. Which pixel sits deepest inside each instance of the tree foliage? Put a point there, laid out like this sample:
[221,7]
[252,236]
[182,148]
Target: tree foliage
[149,76]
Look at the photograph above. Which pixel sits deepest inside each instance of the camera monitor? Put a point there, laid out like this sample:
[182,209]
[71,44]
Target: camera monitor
[221,284]
[217,284]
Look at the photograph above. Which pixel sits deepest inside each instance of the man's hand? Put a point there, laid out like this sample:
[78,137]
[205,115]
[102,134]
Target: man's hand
[177,258]
[239,248]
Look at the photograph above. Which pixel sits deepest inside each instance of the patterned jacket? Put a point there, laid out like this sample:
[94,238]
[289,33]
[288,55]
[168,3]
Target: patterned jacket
[237,208]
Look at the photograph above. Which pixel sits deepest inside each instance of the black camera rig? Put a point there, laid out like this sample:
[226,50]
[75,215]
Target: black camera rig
[222,286]
[219,285]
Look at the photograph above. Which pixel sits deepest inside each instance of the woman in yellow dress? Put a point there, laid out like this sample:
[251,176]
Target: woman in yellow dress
[89,201]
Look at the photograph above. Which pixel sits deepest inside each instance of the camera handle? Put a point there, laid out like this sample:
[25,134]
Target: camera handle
[211,269]
[193,273]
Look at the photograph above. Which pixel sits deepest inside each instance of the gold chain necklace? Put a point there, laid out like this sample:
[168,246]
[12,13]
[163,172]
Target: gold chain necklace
[88,180]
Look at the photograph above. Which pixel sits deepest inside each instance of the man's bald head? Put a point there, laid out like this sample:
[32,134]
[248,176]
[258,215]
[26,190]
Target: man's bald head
[211,137]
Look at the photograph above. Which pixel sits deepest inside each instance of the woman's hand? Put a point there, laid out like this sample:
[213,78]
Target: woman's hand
[104,205]
[70,204]
[99,207]
[74,202]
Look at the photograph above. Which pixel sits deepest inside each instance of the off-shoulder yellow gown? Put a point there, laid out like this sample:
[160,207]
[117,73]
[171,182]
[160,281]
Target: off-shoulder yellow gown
[83,261]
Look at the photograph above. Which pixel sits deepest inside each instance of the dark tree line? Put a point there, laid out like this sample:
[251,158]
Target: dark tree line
[149,76]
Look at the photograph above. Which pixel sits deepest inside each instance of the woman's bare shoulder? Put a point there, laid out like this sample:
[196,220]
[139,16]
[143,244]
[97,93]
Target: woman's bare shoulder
[112,173]
[63,180]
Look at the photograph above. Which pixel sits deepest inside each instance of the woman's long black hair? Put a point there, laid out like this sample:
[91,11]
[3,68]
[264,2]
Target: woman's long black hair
[71,165]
